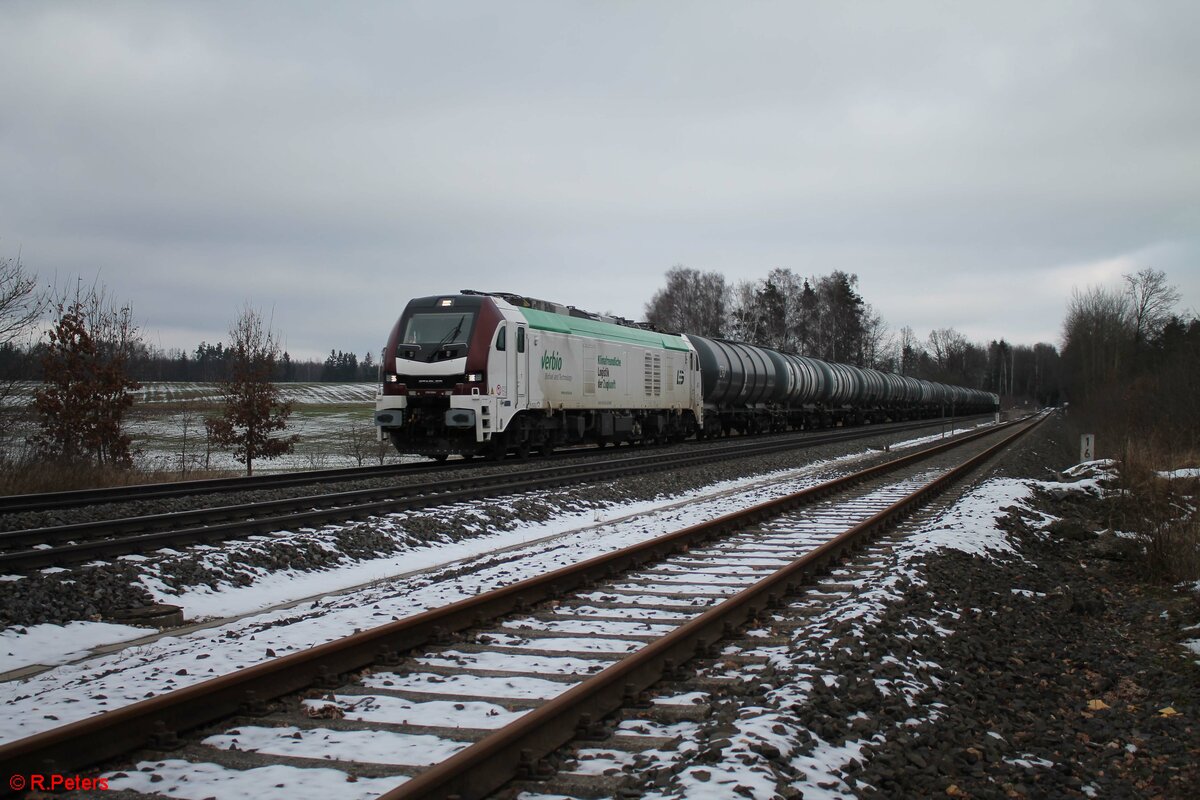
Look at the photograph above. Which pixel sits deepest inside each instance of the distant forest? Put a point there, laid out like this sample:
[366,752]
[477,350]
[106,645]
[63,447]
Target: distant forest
[208,363]
[825,317]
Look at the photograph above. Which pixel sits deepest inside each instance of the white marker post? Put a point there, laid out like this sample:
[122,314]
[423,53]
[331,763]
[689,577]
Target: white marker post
[1087,447]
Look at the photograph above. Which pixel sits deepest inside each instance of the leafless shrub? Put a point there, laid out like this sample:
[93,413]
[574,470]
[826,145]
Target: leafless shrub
[1163,512]
[359,440]
[254,408]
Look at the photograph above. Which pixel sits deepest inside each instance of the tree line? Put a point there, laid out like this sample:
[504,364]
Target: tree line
[1133,362]
[826,317]
[207,363]
[1127,357]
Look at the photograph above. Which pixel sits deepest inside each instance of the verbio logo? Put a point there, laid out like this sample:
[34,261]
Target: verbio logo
[551,361]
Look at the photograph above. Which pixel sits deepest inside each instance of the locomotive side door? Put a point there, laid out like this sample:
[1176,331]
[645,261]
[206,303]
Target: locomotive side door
[498,368]
[521,372]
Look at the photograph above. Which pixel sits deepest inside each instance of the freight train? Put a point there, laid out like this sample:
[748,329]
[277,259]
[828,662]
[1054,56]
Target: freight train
[492,374]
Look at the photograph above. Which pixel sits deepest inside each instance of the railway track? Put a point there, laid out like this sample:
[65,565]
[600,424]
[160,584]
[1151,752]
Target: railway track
[463,699]
[58,545]
[54,501]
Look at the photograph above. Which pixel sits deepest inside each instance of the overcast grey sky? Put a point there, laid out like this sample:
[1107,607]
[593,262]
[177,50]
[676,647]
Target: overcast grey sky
[970,162]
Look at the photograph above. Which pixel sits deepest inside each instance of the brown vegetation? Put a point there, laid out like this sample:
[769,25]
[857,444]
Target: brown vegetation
[33,477]
[1133,376]
[82,404]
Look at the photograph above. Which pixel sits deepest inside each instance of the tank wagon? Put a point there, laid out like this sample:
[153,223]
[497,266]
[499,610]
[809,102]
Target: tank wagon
[481,373]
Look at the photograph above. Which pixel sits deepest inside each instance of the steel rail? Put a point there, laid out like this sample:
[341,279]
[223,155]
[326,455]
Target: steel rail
[485,766]
[49,501]
[116,537]
[95,739]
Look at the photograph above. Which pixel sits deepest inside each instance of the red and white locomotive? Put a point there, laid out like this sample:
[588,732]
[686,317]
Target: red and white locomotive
[492,373]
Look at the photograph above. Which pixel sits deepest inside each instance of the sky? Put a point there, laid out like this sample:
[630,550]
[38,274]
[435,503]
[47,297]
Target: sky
[971,163]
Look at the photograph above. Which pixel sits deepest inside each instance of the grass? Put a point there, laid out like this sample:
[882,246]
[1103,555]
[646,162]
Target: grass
[1162,513]
[31,477]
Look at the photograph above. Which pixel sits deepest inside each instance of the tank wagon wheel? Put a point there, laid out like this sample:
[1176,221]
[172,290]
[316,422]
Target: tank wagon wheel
[440,457]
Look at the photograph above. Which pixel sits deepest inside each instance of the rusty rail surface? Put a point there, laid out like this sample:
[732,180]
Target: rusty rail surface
[116,537]
[491,762]
[95,739]
[49,501]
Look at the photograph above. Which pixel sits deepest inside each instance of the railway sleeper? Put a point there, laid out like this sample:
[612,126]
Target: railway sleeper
[711,657]
[541,633]
[251,759]
[457,669]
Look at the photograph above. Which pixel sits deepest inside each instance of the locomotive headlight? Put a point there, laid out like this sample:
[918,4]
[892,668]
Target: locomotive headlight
[391,378]
[474,377]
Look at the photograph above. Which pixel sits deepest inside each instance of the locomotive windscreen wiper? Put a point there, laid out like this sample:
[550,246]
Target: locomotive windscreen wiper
[449,337]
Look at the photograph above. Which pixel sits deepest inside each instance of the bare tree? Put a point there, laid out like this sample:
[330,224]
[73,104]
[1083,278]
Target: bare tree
[1096,336]
[254,409]
[745,323]
[878,344]
[21,306]
[86,388]
[691,302]
[1151,300]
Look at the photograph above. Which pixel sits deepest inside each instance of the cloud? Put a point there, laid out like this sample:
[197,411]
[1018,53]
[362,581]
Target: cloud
[971,163]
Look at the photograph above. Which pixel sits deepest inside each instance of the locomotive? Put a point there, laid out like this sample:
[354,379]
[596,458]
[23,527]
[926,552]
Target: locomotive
[492,373]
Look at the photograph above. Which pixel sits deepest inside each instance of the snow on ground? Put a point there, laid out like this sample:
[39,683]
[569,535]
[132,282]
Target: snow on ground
[179,778]
[1190,472]
[372,747]
[67,642]
[970,524]
[301,393]
[74,691]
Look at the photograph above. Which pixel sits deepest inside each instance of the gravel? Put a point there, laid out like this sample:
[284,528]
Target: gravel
[1076,685]
[104,591]
[151,506]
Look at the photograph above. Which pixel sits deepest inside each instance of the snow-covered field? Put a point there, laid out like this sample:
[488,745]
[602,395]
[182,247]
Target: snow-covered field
[333,420]
[310,393]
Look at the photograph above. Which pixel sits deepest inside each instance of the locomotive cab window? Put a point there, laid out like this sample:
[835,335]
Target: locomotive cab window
[439,328]
[500,338]
[520,340]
